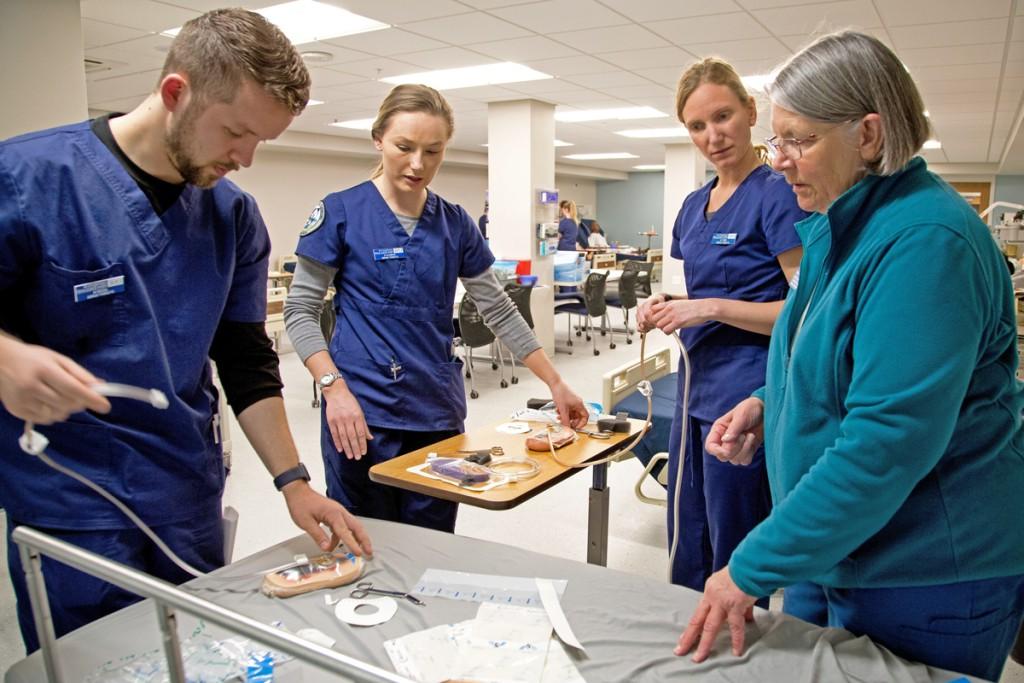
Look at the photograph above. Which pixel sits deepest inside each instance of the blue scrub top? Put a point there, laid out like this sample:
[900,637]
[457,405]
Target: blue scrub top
[733,256]
[395,293]
[567,232]
[88,269]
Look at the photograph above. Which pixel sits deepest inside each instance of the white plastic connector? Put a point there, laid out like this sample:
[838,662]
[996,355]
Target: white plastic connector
[32,442]
[153,397]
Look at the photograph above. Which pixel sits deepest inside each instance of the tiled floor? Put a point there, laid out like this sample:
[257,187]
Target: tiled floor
[636,539]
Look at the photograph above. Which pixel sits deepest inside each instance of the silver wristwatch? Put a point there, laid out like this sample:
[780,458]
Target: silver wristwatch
[328,379]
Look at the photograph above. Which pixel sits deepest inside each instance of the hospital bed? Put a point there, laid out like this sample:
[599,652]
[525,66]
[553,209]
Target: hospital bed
[619,390]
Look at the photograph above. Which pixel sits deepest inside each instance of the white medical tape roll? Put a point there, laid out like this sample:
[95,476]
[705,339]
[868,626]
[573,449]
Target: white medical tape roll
[346,611]
[513,427]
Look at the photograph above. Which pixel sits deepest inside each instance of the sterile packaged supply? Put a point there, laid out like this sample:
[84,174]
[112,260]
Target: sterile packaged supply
[327,570]
[459,470]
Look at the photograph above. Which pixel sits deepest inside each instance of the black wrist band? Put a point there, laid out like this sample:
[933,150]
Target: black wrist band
[290,475]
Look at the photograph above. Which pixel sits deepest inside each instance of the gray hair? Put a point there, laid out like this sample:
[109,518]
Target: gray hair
[846,75]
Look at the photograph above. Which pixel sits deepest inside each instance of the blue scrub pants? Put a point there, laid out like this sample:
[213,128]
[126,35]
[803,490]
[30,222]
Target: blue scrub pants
[348,481]
[77,598]
[718,505]
[967,627]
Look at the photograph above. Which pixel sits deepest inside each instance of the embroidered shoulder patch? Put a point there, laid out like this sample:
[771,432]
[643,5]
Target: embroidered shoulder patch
[315,220]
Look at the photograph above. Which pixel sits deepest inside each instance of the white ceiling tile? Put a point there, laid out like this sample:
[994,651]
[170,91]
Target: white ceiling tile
[96,33]
[446,58]
[968,99]
[765,4]
[491,4]
[1018,29]
[1016,53]
[570,66]
[386,42]
[655,10]
[582,98]
[734,26]
[376,67]
[324,77]
[400,12]
[646,59]
[523,49]
[982,53]
[911,12]
[761,50]
[542,16]
[614,39]
[120,87]
[124,104]
[474,27]
[665,75]
[608,80]
[140,14]
[948,34]
[821,18]
[646,91]
[148,52]
[970,85]
[538,88]
[922,74]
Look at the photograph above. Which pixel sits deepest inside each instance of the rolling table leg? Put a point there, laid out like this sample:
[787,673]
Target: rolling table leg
[597,523]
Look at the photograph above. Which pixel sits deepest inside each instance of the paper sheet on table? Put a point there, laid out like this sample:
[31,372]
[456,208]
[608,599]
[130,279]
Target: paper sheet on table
[431,656]
[470,587]
[549,598]
[505,644]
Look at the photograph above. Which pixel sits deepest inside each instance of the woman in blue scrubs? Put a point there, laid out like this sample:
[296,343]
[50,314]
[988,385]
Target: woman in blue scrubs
[394,251]
[568,226]
[739,249]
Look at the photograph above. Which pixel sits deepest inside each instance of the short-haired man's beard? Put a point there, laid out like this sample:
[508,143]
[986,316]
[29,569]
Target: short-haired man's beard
[179,140]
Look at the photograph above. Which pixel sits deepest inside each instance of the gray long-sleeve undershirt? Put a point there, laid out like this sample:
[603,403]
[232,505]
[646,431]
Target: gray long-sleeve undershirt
[312,278]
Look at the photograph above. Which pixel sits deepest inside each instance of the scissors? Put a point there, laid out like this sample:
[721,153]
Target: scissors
[366,588]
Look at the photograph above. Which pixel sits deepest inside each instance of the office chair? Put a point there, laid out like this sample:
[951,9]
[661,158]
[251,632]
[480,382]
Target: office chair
[625,298]
[473,334]
[520,295]
[643,284]
[593,306]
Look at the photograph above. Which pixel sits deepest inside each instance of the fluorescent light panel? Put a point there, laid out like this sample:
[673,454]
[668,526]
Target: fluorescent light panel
[757,81]
[313,103]
[932,144]
[601,155]
[558,143]
[674,132]
[471,76]
[650,167]
[617,114]
[354,124]
[305,21]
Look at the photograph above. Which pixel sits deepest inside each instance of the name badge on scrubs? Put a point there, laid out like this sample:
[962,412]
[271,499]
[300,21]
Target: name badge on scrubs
[94,290]
[388,254]
[723,238]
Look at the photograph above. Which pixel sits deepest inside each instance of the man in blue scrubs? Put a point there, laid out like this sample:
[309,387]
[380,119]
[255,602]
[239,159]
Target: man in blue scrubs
[123,256]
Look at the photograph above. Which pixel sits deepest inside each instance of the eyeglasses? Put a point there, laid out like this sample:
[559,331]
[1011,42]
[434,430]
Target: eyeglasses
[792,148]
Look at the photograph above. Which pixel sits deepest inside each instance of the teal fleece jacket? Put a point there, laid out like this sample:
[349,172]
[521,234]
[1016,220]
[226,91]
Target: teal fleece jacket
[892,415]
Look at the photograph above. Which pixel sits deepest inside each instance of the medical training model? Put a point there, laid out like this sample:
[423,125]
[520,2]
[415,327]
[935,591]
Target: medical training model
[328,570]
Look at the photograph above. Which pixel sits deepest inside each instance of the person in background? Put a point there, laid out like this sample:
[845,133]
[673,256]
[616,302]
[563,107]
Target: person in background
[568,225]
[394,252]
[596,239]
[890,415]
[483,220]
[739,250]
[126,256]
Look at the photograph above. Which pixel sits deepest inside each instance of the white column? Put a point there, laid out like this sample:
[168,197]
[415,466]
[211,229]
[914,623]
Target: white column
[684,173]
[43,84]
[521,160]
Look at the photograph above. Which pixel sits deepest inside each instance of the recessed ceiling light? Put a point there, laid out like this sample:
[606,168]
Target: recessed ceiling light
[354,124]
[757,81]
[650,167]
[558,143]
[305,21]
[316,56]
[674,132]
[601,155]
[932,144]
[471,76]
[618,113]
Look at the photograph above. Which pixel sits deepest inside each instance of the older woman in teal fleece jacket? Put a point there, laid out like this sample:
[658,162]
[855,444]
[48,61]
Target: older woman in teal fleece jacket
[891,415]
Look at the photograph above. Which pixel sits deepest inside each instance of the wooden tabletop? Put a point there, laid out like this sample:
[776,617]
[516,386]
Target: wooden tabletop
[395,472]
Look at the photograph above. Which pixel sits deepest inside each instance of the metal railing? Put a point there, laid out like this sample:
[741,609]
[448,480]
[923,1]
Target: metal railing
[33,544]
